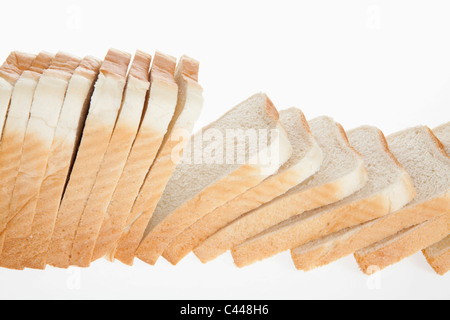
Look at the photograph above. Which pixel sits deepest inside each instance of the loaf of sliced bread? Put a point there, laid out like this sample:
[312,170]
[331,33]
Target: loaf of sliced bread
[30,251]
[213,183]
[438,255]
[105,104]
[114,161]
[341,174]
[422,155]
[10,71]
[306,160]
[402,245]
[159,110]
[14,133]
[389,188]
[187,111]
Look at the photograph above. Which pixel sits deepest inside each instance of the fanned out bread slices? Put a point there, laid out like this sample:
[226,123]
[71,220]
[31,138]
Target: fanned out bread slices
[114,161]
[30,251]
[187,111]
[426,157]
[306,160]
[105,104]
[196,189]
[14,133]
[421,155]
[10,71]
[44,114]
[159,110]
[389,188]
[330,184]
[438,255]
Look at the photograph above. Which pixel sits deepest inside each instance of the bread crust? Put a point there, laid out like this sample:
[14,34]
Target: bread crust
[142,155]
[392,250]
[15,64]
[439,262]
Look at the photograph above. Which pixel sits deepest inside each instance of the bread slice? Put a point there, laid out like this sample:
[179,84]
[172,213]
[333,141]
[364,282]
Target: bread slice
[14,133]
[187,111]
[103,112]
[425,206]
[389,187]
[195,189]
[44,114]
[114,161]
[421,154]
[402,245]
[159,110]
[306,160]
[10,71]
[342,173]
[438,256]
[30,251]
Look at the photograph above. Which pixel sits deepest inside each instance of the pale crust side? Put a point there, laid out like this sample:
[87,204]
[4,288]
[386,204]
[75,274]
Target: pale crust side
[186,75]
[15,64]
[219,218]
[142,155]
[116,64]
[439,262]
[403,245]
[33,252]
[113,163]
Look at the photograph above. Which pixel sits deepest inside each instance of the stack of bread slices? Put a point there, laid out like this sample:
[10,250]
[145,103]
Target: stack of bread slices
[98,160]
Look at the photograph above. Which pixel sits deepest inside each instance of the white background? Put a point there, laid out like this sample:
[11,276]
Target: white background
[384,63]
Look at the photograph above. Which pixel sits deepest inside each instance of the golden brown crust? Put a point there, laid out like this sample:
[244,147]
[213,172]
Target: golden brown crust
[140,67]
[89,68]
[440,263]
[42,62]
[188,67]
[63,66]
[163,68]
[15,64]
[438,142]
[271,110]
[116,63]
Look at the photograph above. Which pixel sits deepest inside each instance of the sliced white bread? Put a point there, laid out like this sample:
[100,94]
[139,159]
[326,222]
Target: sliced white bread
[30,251]
[425,206]
[402,245]
[114,161]
[44,114]
[196,189]
[10,71]
[159,111]
[187,111]
[14,133]
[341,174]
[105,104]
[389,188]
[306,160]
[438,255]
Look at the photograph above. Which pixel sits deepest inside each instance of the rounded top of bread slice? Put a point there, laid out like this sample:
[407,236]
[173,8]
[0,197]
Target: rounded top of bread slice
[424,157]
[443,134]
[15,64]
[189,178]
[116,64]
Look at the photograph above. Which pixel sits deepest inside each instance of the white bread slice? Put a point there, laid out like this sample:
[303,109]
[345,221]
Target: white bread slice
[341,174]
[402,245]
[10,71]
[14,133]
[389,188]
[159,110]
[114,161]
[30,251]
[196,189]
[424,161]
[44,114]
[425,206]
[105,104]
[438,256]
[187,111]
[306,160]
